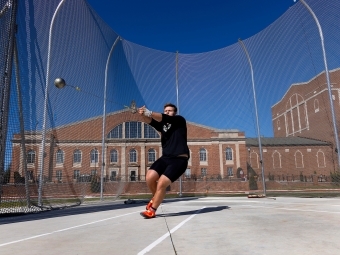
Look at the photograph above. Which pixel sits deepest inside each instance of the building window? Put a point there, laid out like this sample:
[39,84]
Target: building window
[230,171]
[113,176]
[94,156]
[93,172]
[203,155]
[320,157]
[59,175]
[276,159]
[278,125]
[316,105]
[133,156]
[77,157]
[133,129]
[298,159]
[117,132]
[76,174]
[60,157]
[254,160]
[187,173]
[229,154]
[204,172]
[150,132]
[151,156]
[297,118]
[30,175]
[133,176]
[31,157]
[113,156]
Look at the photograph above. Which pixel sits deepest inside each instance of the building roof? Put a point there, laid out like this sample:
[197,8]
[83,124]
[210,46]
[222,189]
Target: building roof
[284,141]
[304,83]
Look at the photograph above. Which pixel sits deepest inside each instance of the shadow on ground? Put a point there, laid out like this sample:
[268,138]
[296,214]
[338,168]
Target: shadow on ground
[81,209]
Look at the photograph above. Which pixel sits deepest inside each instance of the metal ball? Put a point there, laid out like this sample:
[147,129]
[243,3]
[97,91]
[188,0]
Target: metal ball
[59,83]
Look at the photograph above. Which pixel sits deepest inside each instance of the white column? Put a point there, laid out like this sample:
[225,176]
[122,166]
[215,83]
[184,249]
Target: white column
[237,156]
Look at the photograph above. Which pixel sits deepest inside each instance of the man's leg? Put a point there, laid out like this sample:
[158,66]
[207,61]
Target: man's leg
[151,180]
[159,195]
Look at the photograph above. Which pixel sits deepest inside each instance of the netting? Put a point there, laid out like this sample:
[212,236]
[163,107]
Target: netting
[79,139]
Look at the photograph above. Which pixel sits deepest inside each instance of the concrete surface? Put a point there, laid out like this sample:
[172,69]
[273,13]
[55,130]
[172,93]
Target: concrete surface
[220,225]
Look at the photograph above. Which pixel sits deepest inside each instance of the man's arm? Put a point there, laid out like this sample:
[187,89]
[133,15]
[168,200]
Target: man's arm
[149,115]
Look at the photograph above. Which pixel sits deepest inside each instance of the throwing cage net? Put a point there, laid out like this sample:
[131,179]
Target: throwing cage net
[262,114]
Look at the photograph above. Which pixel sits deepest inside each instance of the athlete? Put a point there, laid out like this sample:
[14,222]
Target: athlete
[174,161]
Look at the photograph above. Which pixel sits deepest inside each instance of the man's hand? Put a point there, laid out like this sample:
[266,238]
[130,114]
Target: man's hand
[141,110]
[144,111]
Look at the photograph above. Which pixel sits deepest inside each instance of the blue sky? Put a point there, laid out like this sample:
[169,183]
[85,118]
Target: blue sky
[197,27]
[189,26]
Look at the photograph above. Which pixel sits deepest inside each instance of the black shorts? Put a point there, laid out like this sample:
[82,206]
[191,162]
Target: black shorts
[172,167]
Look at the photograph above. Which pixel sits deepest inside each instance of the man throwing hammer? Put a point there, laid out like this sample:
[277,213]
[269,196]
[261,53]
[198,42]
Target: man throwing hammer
[174,161]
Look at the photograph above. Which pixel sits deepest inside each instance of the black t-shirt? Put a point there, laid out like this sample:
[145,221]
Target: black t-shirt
[173,135]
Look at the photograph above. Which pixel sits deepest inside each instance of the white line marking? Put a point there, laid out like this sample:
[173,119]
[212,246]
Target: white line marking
[65,229]
[159,240]
[289,209]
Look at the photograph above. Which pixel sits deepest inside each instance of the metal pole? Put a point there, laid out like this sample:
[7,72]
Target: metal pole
[104,120]
[328,81]
[42,149]
[180,178]
[22,126]
[257,118]
[5,86]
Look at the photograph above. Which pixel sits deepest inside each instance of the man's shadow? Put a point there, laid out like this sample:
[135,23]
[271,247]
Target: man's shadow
[203,210]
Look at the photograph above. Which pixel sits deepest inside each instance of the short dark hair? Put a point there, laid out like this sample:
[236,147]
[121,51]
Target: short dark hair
[171,105]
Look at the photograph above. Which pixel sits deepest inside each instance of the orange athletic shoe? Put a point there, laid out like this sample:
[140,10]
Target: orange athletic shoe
[149,205]
[148,214]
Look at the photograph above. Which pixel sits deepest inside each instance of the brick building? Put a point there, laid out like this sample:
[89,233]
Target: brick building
[303,142]
[74,151]
[305,109]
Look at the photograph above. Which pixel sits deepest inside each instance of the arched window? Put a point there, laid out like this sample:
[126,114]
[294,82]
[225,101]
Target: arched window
[320,157]
[133,156]
[203,155]
[60,157]
[297,118]
[31,157]
[298,159]
[254,160]
[77,157]
[228,154]
[113,156]
[150,132]
[151,155]
[94,156]
[276,159]
[117,132]
[133,129]
[316,105]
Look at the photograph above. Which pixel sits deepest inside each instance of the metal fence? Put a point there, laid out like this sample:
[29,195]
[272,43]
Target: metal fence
[270,101]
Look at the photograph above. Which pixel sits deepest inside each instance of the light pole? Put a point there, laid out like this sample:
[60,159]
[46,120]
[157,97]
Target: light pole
[257,117]
[328,81]
[180,178]
[43,136]
[104,119]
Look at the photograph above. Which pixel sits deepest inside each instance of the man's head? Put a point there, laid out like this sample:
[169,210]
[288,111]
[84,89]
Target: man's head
[170,109]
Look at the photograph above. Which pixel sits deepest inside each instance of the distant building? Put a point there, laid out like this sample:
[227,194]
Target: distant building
[305,109]
[74,151]
[303,144]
